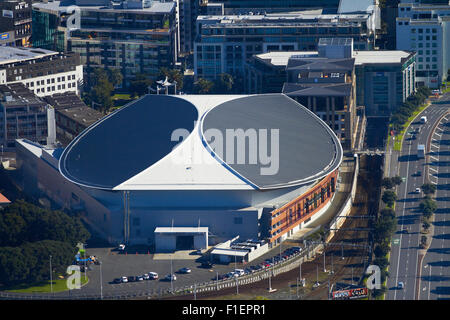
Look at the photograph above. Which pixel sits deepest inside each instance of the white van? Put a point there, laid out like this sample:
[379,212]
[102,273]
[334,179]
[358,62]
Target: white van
[423,119]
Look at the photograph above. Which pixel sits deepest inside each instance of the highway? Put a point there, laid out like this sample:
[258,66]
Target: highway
[405,244]
[435,273]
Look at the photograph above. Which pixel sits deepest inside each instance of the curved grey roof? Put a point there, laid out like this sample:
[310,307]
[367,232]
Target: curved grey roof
[123,148]
[308,148]
[126,142]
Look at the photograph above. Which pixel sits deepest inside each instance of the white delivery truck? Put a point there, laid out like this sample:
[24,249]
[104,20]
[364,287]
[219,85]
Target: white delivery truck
[421,151]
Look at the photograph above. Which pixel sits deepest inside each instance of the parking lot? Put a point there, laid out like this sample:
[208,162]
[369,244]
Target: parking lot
[116,265]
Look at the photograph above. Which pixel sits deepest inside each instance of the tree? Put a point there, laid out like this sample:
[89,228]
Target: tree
[173,75]
[224,83]
[139,85]
[397,180]
[203,86]
[389,197]
[428,207]
[101,94]
[115,77]
[428,188]
[387,183]
[382,249]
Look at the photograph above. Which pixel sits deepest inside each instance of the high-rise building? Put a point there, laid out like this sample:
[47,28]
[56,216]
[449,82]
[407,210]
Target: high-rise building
[225,43]
[15,22]
[424,28]
[137,36]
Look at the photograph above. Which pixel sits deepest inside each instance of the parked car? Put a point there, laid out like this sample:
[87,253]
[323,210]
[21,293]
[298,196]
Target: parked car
[401,285]
[417,190]
[121,247]
[146,276]
[139,278]
[117,280]
[170,277]
[239,272]
[124,279]
[185,270]
[153,275]
[132,279]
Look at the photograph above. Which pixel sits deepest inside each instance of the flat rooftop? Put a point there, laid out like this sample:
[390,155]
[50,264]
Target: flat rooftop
[19,54]
[281,58]
[61,6]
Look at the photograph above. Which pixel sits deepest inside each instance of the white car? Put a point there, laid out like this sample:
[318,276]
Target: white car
[401,285]
[418,190]
[153,275]
[171,277]
[239,272]
[124,279]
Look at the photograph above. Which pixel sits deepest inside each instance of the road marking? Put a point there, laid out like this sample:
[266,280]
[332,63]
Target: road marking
[433,169]
[439,135]
[435,146]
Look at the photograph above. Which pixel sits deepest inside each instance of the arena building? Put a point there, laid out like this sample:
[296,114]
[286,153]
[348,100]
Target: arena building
[212,166]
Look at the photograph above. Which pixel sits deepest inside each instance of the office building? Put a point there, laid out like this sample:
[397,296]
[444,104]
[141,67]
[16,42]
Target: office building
[137,36]
[225,43]
[72,115]
[24,115]
[424,28]
[384,79]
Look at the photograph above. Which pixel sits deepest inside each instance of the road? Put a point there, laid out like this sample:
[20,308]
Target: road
[405,245]
[435,275]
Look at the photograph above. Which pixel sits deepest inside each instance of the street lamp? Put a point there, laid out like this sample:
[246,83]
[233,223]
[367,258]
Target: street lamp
[101,281]
[51,280]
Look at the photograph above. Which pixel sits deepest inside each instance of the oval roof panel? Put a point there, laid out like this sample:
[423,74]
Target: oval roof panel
[271,141]
[126,142]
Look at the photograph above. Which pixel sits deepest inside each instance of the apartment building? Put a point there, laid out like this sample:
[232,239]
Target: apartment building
[44,72]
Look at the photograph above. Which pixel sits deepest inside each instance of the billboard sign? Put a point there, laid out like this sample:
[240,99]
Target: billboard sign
[4,36]
[8,14]
[350,294]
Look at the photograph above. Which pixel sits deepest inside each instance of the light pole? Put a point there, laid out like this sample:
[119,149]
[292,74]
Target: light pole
[101,281]
[51,280]
[171,274]
[324,258]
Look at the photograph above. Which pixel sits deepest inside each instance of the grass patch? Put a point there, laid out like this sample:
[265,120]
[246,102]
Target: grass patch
[59,285]
[399,137]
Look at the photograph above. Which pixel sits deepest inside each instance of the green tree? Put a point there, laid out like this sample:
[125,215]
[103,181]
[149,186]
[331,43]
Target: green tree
[428,188]
[397,180]
[387,183]
[203,86]
[139,85]
[428,207]
[173,75]
[115,77]
[389,197]
[224,83]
